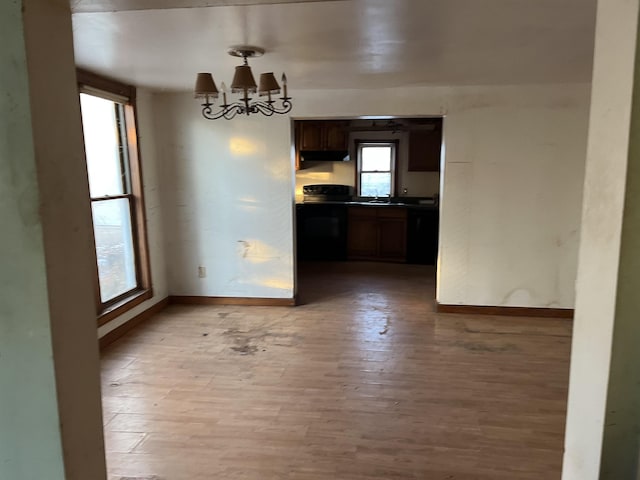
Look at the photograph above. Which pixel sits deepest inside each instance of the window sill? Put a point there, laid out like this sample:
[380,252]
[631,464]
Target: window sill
[123,306]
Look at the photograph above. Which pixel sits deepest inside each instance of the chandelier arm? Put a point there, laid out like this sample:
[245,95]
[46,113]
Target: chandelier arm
[232,110]
[227,112]
[207,112]
[286,104]
[243,107]
[263,108]
[268,109]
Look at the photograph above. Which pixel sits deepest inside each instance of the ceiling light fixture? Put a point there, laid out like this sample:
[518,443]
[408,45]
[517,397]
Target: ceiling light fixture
[244,83]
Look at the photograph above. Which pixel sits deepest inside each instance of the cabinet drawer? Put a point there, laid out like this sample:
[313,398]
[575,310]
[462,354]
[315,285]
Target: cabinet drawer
[366,212]
[392,212]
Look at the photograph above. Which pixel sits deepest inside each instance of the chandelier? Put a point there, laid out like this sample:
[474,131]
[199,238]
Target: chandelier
[243,83]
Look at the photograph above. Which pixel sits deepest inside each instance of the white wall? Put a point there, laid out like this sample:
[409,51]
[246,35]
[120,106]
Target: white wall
[228,187]
[602,223]
[511,198]
[510,212]
[153,206]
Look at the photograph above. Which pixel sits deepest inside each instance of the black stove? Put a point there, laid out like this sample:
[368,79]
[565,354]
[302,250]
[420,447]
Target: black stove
[326,193]
[322,222]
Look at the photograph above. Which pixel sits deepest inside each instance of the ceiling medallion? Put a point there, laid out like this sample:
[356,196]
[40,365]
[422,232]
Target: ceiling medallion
[245,84]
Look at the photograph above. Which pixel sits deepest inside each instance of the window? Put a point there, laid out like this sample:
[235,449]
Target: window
[116,200]
[376,168]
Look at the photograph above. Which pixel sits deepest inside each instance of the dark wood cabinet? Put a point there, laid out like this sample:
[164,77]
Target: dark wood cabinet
[425,146]
[309,136]
[335,136]
[377,233]
[392,241]
[322,135]
[362,238]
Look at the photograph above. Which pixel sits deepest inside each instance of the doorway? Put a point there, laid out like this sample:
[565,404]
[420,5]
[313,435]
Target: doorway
[392,168]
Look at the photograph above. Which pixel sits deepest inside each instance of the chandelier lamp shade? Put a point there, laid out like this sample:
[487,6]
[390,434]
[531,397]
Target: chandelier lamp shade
[243,83]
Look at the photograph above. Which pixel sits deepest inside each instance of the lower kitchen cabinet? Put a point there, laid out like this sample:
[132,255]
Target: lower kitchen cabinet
[377,233]
[392,241]
[362,240]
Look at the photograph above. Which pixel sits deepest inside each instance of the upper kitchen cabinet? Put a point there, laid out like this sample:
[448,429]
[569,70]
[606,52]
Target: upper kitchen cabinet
[309,136]
[425,145]
[325,140]
[322,135]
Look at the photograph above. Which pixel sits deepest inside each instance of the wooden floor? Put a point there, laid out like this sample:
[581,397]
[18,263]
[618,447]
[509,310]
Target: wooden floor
[362,381]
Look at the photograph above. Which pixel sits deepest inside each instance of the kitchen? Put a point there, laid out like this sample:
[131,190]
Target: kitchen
[346,211]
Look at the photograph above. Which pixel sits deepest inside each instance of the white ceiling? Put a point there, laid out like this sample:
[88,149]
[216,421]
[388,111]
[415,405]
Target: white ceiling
[162,44]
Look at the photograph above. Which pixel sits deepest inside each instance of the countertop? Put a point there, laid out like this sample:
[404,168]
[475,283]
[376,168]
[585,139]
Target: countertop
[397,204]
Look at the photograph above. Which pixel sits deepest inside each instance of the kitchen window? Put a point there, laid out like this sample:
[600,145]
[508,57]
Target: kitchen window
[376,168]
[115,189]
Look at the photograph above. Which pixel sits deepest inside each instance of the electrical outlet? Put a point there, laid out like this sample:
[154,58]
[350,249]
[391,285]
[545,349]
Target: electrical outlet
[202,272]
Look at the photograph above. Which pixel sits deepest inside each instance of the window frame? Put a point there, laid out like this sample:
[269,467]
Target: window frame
[125,95]
[394,144]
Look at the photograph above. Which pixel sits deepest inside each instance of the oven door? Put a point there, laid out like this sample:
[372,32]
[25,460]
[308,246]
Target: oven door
[322,232]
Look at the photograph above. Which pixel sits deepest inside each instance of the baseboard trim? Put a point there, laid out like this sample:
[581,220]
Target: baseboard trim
[126,327]
[250,301]
[506,311]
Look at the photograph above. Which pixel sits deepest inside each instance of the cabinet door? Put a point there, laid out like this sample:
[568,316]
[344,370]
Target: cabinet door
[424,150]
[392,239]
[362,239]
[335,136]
[310,136]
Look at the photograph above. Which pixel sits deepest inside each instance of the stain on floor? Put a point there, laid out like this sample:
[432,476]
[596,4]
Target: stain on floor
[251,341]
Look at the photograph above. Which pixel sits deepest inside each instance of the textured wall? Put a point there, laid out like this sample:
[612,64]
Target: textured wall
[512,194]
[510,204]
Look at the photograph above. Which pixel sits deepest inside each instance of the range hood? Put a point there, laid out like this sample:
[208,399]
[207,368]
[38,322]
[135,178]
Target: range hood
[325,156]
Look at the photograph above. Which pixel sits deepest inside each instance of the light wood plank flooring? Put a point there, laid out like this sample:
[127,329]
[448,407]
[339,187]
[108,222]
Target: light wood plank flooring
[362,381]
